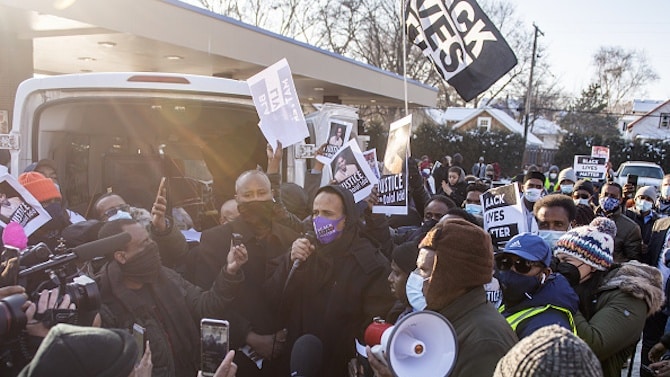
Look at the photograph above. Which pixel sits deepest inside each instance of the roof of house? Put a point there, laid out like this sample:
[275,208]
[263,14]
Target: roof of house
[543,126]
[643,106]
[647,115]
[504,119]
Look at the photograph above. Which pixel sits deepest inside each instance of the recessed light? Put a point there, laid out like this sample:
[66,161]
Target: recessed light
[174,57]
[107,44]
[318,89]
[86,59]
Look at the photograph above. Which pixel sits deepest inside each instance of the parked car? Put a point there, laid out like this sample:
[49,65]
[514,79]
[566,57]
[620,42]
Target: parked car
[648,173]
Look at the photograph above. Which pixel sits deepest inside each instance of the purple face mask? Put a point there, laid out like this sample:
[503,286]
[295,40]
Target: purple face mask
[325,229]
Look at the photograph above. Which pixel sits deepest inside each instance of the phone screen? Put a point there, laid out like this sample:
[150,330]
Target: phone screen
[632,179]
[140,338]
[213,344]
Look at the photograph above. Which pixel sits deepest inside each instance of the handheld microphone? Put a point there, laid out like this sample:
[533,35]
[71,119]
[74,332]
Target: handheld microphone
[311,237]
[306,356]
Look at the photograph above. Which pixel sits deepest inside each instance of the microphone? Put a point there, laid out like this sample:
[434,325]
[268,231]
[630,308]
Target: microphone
[102,247]
[15,237]
[311,237]
[306,356]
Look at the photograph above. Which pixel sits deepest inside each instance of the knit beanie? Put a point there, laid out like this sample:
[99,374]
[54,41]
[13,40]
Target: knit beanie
[567,173]
[83,351]
[41,187]
[593,244]
[463,260]
[404,256]
[649,191]
[551,351]
[585,185]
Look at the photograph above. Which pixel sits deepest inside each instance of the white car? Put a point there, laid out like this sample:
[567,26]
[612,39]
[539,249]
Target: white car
[648,173]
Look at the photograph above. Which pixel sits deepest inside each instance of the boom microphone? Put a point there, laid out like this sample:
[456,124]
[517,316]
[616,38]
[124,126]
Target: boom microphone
[102,247]
[306,356]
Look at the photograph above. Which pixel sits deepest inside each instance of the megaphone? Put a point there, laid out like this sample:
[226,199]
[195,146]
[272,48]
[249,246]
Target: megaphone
[420,344]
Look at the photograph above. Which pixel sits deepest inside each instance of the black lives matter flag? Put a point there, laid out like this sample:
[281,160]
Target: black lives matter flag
[465,47]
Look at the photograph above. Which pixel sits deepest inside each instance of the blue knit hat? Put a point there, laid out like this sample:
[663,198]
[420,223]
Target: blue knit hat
[592,244]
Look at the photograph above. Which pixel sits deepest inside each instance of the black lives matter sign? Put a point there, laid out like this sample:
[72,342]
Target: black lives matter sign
[464,46]
[591,168]
[503,215]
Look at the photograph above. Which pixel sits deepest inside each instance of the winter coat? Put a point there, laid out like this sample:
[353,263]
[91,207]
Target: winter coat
[628,239]
[645,228]
[557,292]
[482,334]
[624,300]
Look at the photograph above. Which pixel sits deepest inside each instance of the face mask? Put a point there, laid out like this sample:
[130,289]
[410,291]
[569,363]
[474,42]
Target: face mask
[256,212]
[570,272]
[326,230]
[473,209]
[428,224]
[610,204]
[553,175]
[643,205]
[550,236]
[532,194]
[566,189]
[58,218]
[517,287]
[414,291]
[120,215]
[145,266]
[581,201]
[665,192]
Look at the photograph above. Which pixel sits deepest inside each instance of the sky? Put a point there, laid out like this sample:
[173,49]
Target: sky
[575,29]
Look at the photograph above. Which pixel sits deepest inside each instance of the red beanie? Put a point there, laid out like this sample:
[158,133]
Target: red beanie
[41,187]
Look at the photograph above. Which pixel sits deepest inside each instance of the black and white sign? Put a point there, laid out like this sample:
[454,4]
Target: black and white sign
[338,135]
[464,46]
[588,167]
[393,182]
[352,172]
[503,214]
[19,206]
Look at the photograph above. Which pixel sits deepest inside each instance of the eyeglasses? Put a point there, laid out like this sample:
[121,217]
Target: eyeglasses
[112,211]
[580,196]
[505,262]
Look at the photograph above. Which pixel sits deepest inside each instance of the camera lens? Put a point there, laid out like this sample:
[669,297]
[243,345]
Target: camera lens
[12,318]
[84,293]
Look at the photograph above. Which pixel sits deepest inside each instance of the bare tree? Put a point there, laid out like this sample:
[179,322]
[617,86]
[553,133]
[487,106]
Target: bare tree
[621,74]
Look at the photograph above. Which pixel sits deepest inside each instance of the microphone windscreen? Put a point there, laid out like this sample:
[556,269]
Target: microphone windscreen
[306,356]
[102,247]
[14,236]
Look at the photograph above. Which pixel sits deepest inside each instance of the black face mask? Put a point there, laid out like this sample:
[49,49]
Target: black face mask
[570,272]
[428,224]
[145,266]
[59,219]
[257,212]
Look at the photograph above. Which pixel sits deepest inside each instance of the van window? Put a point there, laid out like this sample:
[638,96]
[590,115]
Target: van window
[642,171]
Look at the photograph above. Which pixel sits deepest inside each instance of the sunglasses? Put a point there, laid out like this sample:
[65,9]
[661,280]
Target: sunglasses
[112,211]
[580,196]
[505,262]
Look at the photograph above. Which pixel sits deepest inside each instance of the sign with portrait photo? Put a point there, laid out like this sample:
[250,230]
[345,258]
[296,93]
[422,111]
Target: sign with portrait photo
[352,172]
[503,214]
[19,206]
[371,157]
[393,182]
[338,135]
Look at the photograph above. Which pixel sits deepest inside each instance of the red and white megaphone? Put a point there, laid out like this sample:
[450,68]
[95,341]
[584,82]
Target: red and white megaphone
[420,344]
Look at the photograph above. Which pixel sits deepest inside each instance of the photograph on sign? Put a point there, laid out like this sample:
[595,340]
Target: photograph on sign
[393,182]
[371,157]
[502,213]
[600,151]
[338,135]
[278,106]
[352,172]
[592,168]
[19,206]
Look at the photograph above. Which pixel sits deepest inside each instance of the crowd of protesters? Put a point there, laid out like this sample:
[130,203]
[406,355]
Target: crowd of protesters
[571,297]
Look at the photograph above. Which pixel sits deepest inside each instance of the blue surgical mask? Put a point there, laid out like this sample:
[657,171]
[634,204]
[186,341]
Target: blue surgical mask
[665,192]
[581,201]
[414,291]
[567,189]
[532,194]
[610,204]
[120,215]
[643,205]
[473,209]
[550,236]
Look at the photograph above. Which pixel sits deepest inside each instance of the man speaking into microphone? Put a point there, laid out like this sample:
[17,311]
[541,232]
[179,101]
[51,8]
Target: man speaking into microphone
[338,284]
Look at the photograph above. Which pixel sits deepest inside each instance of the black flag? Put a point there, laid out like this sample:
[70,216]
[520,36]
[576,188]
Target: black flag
[462,43]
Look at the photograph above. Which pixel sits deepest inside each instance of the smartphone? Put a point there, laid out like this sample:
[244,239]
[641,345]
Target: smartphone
[140,338]
[647,369]
[213,344]
[237,239]
[632,179]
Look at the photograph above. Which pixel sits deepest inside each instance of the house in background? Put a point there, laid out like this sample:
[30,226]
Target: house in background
[653,125]
[640,108]
[549,132]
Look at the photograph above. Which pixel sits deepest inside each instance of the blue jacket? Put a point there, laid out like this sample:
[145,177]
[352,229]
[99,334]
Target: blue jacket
[555,291]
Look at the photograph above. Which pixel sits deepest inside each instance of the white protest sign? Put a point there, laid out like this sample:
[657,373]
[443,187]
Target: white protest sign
[338,134]
[371,157]
[393,183]
[587,167]
[277,104]
[503,214]
[352,172]
[19,206]
[600,151]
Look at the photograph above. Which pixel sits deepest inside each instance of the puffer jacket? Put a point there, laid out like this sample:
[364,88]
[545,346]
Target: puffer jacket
[626,297]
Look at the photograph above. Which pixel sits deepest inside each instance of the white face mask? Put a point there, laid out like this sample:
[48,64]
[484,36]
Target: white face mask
[414,291]
[550,236]
[567,189]
[553,175]
[120,215]
[643,205]
[581,201]
[665,192]
[532,194]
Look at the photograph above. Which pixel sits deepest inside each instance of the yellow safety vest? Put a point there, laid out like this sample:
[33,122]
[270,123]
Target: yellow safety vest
[515,319]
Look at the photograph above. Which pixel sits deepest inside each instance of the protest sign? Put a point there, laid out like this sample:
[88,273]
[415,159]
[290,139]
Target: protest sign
[600,151]
[352,172]
[465,47]
[393,182]
[19,206]
[503,214]
[371,158]
[587,167]
[338,134]
[277,104]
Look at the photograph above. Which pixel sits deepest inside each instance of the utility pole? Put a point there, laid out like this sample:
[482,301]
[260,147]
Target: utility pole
[529,91]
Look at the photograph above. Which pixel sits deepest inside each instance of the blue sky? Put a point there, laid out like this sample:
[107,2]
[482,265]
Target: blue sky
[574,30]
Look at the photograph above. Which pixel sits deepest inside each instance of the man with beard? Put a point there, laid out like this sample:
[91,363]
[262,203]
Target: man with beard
[136,289]
[254,324]
[332,287]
